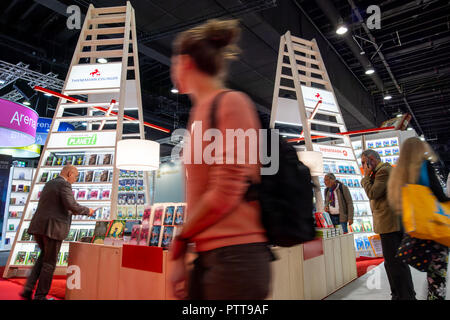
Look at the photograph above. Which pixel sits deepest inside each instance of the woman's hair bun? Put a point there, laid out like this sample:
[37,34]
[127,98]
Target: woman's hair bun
[221,33]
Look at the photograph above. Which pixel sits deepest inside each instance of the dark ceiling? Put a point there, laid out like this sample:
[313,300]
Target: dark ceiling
[414,39]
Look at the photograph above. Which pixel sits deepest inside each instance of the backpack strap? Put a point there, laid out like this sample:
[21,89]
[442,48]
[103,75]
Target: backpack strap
[214,107]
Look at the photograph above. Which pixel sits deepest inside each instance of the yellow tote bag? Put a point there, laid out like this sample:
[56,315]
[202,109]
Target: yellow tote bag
[424,217]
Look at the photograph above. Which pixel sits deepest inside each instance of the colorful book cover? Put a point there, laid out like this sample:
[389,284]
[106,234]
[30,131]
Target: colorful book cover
[82,194]
[25,235]
[32,257]
[72,235]
[50,160]
[82,233]
[58,161]
[107,159]
[131,212]
[101,228]
[328,220]
[106,213]
[140,213]
[89,176]
[92,160]
[167,237]
[157,218]
[352,170]
[378,144]
[155,235]
[141,198]
[79,160]
[94,194]
[97,175]
[59,258]
[396,151]
[91,233]
[179,215]
[394,142]
[135,232]
[326,168]
[143,235]
[385,143]
[146,215]
[21,257]
[344,181]
[350,183]
[81,176]
[370,145]
[121,212]
[319,220]
[341,169]
[44,177]
[104,176]
[334,168]
[106,194]
[65,259]
[129,226]
[169,216]
[356,183]
[388,152]
[346,169]
[116,229]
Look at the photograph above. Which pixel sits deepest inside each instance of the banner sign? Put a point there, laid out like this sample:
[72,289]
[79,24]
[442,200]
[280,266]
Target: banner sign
[43,127]
[18,124]
[333,152]
[94,76]
[312,95]
[82,139]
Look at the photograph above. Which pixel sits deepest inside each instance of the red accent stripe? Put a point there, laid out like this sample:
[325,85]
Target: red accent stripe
[348,133]
[60,95]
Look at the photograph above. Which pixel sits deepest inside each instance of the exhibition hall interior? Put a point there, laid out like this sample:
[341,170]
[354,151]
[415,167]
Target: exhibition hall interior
[116,118]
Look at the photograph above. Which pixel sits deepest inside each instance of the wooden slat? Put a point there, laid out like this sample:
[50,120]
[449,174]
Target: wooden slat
[304,50]
[326,134]
[302,41]
[102,54]
[85,118]
[121,9]
[91,91]
[84,105]
[326,123]
[323,112]
[115,18]
[304,59]
[287,88]
[102,42]
[285,76]
[131,135]
[306,69]
[116,30]
[309,79]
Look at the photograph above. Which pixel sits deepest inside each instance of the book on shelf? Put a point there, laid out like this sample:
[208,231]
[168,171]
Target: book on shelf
[155,236]
[81,176]
[59,260]
[106,213]
[82,233]
[179,215]
[129,224]
[65,259]
[169,215]
[134,236]
[58,160]
[82,194]
[26,236]
[97,175]
[49,161]
[157,217]
[68,160]
[167,237]
[44,177]
[106,194]
[328,220]
[144,235]
[140,212]
[92,160]
[121,212]
[89,176]
[131,212]
[21,257]
[141,198]
[79,160]
[94,194]
[104,176]
[32,257]
[72,235]
[107,159]
[116,229]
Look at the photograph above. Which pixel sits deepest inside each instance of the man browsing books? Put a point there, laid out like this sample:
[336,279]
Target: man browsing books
[338,202]
[50,226]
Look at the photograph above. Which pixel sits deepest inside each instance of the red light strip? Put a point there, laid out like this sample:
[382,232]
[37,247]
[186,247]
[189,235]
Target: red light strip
[74,100]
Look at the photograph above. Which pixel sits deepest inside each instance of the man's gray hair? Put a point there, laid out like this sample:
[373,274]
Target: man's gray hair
[331,176]
[369,152]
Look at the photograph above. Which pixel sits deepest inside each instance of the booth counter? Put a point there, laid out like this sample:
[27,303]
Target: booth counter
[310,271]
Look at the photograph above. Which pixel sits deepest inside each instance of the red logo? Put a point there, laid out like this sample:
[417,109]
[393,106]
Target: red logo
[95,73]
[319,97]
[345,153]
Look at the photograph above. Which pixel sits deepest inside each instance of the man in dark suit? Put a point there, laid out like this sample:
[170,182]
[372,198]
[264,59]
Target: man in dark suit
[50,226]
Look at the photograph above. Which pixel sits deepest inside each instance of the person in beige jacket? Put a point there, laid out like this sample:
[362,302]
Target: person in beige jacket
[387,224]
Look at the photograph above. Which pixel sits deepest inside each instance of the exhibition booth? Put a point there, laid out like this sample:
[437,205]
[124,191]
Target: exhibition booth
[121,252]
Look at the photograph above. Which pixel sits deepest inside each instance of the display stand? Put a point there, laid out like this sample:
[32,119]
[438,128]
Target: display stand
[18,191]
[304,97]
[111,97]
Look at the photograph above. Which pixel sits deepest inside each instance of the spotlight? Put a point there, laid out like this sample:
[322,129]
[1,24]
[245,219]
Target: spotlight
[370,70]
[342,29]
[48,95]
[387,96]
[26,103]
[102,60]
[174,90]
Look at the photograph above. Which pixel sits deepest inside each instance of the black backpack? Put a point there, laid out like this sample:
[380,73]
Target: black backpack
[286,198]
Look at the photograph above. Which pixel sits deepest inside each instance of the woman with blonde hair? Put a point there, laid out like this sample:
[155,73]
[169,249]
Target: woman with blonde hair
[233,260]
[414,167]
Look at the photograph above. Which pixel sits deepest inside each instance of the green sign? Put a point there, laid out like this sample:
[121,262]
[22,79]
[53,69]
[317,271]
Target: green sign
[90,140]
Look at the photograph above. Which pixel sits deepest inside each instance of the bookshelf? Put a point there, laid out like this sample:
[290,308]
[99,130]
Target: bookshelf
[91,147]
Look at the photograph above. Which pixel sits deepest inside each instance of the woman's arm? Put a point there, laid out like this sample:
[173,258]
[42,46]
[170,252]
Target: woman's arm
[435,186]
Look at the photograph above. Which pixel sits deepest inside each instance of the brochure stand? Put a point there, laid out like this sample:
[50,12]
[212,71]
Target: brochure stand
[111,98]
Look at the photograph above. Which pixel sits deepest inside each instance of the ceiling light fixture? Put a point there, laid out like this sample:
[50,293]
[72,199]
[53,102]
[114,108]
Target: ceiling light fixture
[174,90]
[26,103]
[387,96]
[370,70]
[102,60]
[341,27]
